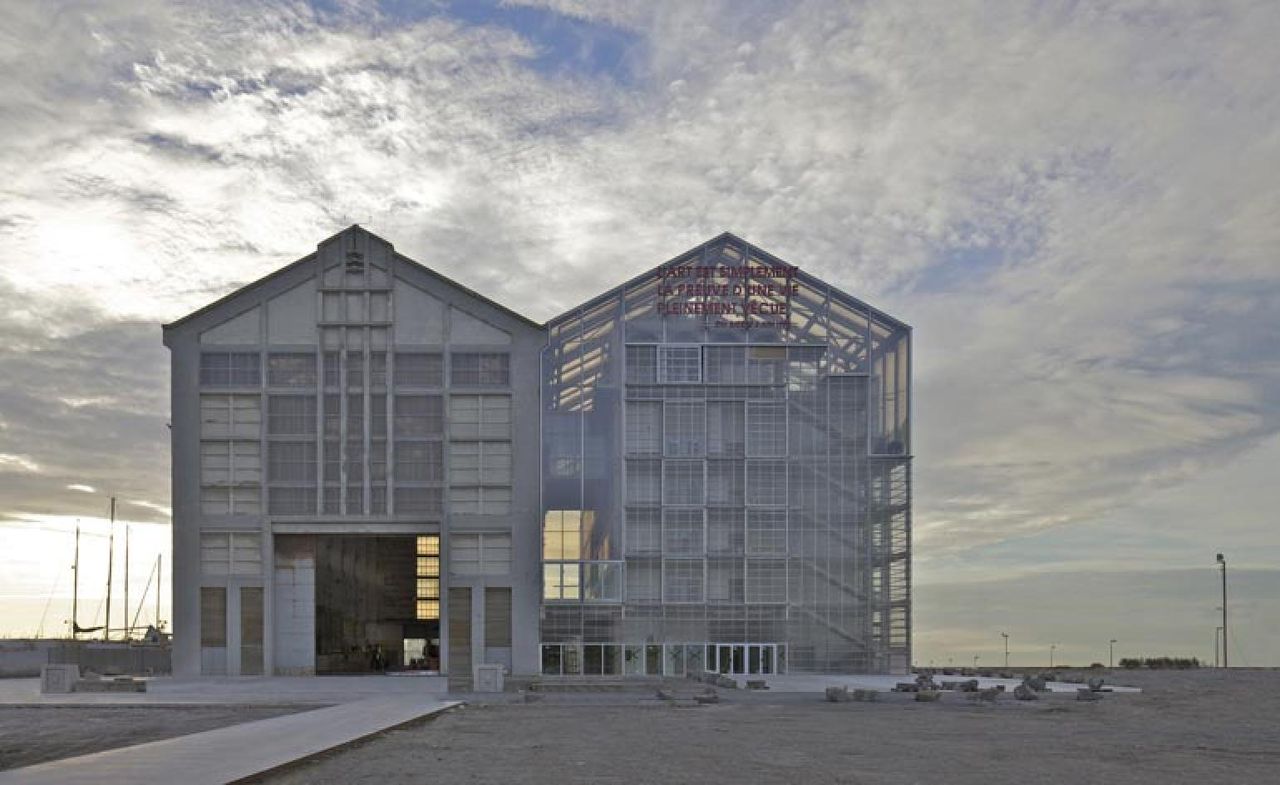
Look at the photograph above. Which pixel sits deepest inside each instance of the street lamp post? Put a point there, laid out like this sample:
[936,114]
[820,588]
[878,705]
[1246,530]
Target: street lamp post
[1005,635]
[1217,650]
[1111,656]
[1222,560]
[1052,646]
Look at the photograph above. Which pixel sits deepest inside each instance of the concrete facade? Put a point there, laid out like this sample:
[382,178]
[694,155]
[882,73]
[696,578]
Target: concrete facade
[365,452]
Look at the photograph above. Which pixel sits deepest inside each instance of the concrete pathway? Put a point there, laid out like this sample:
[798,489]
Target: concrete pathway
[235,752]
[269,690]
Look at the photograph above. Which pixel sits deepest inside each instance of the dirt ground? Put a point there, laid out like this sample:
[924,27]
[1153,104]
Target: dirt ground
[30,735]
[1188,727]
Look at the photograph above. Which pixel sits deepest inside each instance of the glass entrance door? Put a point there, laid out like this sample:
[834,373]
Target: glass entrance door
[744,659]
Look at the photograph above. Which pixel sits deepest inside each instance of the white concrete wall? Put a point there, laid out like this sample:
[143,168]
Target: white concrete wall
[293,632]
[291,317]
[241,329]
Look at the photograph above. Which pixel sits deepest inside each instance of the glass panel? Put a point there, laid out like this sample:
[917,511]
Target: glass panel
[633,660]
[592,660]
[572,660]
[551,657]
[675,660]
[612,660]
[653,660]
[693,659]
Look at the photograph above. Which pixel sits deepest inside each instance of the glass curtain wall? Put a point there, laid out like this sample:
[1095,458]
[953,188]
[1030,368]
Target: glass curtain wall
[728,493]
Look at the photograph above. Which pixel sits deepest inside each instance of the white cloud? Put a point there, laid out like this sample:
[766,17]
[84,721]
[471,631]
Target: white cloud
[19,462]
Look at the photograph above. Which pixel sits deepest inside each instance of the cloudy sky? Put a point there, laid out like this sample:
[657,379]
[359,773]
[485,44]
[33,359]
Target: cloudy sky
[1074,203]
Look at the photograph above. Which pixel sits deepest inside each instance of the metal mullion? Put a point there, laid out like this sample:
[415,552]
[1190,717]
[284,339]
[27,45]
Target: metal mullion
[342,413]
[366,400]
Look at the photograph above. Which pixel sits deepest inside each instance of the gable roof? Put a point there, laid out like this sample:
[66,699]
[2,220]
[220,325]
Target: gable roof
[727,238]
[723,238]
[399,258]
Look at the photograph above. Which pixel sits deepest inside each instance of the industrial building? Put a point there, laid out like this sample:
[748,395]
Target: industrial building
[376,468]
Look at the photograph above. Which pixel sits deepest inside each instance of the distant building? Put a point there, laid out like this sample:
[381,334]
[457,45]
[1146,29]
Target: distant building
[707,467]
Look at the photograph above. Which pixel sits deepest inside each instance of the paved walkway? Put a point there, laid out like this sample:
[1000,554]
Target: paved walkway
[272,690]
[235,752]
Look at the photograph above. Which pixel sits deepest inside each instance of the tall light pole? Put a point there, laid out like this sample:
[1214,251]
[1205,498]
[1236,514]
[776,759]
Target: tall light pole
[1223,561]
[1111,656]
[1217,650]
[1052,646]
[1005,635]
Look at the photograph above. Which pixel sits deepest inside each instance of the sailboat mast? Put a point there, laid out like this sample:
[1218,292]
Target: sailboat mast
[75,588]
[126,582]
[158,577]
[111,553]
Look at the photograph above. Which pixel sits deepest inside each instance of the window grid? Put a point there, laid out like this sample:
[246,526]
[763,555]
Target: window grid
[725,364]
[480,463]
[480,554]
[644,427]
[767,483]
[683,580]
[291,415]
[480,417]
[231,553]
[766,532]
[679,364]
[644,530]
[230,416]
[766,580]
[292,369]
[419,369]
[230,369]
[684,429]
[682,482]
[418,416]
[644,482]
[480,369]
[682,532]
[642,364]
[766,429]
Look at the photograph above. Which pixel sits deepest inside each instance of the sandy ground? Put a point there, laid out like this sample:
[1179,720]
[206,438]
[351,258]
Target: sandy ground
[1190,727]
[35,734]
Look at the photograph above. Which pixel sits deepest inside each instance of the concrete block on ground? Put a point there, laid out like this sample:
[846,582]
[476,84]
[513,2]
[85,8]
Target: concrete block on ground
[866,696]
[927,696]
[488,677]
[838,694]
[58,679]
[1086,694]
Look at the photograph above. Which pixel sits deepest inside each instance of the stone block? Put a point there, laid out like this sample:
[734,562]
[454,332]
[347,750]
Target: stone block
[1025,692]
[487,677]
[58,679]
